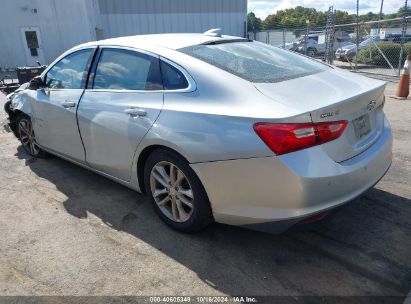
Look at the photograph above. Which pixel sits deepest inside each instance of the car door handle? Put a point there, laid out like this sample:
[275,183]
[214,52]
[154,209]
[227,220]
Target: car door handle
[135,112]
[68,104]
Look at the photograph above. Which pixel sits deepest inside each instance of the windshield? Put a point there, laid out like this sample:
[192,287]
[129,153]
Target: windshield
[369,41]
[255,61]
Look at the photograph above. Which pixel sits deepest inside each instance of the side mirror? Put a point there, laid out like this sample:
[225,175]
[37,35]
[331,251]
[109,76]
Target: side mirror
[36,83]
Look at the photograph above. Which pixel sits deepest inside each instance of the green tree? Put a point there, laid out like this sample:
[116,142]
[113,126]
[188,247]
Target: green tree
[254,24]
[400,12]
[296,18]
[342,17]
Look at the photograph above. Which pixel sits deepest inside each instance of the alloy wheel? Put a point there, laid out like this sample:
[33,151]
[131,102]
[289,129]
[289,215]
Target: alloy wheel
[172,191]
[27,137]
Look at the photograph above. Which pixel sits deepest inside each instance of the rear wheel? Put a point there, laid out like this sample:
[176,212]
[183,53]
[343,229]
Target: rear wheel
[176,192]
[27,137]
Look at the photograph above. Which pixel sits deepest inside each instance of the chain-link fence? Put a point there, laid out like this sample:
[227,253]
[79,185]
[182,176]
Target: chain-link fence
[373,47]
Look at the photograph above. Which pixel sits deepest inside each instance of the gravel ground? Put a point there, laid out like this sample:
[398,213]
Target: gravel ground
[67,231]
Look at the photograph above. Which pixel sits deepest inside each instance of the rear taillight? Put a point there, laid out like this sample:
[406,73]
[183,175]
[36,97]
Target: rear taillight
[285,138]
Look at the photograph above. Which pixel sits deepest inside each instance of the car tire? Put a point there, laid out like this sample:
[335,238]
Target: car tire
[27,138]
[176,192]
[7,107]
[12,122]
[311,52]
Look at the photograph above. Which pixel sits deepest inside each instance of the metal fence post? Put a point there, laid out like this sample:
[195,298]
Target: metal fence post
[329,36]
[306,38]
[404,31]
[283,38]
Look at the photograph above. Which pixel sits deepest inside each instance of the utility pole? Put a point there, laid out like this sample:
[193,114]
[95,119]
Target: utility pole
[404,31]
[379,23]
[357,36]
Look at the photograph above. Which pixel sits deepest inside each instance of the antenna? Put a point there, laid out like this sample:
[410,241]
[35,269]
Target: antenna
[213,32]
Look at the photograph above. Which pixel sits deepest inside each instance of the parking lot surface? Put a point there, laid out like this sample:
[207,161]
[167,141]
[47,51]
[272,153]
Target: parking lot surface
[67,231]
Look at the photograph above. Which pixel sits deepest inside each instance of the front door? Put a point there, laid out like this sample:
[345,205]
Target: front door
[124,100]
[32,45]
[55,121]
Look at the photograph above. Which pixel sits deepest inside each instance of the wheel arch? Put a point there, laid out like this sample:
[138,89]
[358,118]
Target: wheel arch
[146,152]
[13,120]
[22,106]
[16,112]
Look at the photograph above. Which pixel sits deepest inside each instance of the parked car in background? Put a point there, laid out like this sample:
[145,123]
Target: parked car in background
[300,41]
[348,52]
[289,46]
[210,127]
[316,46]
[312,46]
[396,38]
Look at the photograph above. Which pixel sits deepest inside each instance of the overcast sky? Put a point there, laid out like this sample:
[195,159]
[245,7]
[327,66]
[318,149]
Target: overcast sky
[263,8]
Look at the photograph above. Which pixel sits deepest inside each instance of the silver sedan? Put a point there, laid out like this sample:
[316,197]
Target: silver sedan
[210,127]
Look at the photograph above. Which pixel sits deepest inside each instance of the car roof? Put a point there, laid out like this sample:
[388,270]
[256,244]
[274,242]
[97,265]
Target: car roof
[170,41]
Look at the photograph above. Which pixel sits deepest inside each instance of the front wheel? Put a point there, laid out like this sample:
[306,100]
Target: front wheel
[7,107]
[311,52]
[28,139]
[176,192]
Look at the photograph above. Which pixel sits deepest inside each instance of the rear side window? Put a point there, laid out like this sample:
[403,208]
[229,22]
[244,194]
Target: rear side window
[255,61]
[173,79]
[119,69]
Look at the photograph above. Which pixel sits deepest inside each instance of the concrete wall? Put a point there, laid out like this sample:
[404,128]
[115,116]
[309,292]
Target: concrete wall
[62,24]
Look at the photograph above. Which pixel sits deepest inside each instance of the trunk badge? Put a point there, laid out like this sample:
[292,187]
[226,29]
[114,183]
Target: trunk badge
[371,105]
[329,114]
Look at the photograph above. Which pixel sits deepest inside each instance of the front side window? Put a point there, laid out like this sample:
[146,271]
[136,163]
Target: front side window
[70,72]
[120,69]
[255,61]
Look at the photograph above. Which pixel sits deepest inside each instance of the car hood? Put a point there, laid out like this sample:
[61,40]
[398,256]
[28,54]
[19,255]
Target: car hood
[348,47]
[320,90]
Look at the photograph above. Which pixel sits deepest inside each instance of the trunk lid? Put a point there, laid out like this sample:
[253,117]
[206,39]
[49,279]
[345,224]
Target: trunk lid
[336,95]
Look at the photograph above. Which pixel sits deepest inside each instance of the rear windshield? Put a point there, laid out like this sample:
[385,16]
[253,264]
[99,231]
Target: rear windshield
[255,61]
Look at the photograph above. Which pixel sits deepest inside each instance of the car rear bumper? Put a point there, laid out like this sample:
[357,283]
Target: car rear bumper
[290,187]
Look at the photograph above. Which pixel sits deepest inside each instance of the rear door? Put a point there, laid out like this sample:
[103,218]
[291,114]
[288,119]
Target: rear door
[55,123]
[121,103]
